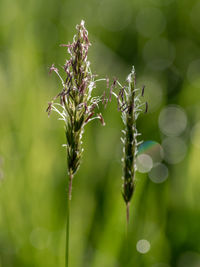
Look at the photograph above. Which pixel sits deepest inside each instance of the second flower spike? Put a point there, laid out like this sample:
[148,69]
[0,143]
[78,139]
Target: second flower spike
[129,103]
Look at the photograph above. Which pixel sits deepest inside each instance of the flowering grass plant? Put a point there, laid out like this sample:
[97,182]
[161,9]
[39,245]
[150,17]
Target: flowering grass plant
[130,105]
[76,106]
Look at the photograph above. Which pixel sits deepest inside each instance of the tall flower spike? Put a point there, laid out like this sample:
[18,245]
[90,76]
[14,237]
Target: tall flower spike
[76,105]
[129,104]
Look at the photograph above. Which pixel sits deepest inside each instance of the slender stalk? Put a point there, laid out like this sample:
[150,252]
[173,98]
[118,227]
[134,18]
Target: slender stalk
[127,213]
[68,219]
[67,233]
[127,218]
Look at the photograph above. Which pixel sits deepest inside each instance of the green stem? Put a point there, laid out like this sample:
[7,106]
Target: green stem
[127,213]
[127,217]
[68,220]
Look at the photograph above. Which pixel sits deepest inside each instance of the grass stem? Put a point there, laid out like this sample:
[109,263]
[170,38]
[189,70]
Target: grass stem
[68,220]
[127,213]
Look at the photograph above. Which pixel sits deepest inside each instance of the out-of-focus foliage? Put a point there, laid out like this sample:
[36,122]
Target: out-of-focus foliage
[161,38]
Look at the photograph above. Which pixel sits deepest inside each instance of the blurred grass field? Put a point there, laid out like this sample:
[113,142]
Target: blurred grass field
[161,39]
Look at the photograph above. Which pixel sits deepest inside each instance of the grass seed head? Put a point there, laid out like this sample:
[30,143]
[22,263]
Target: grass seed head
[76,106]
[129,103]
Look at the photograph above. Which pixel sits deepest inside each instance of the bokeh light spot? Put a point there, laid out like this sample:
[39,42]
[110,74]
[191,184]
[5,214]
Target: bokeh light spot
[194,16]
[144,163]
[153,149]
[158,173]
[189,49]
[195,135]
[1,175]
[1,161]
[189,259]
[172,120]
[174,149]
[143,246]
[158,53]
[150,22]
[39,238]
[193,73]
[115,15]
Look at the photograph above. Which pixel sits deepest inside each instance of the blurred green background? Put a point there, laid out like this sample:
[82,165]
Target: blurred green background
[161,38]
